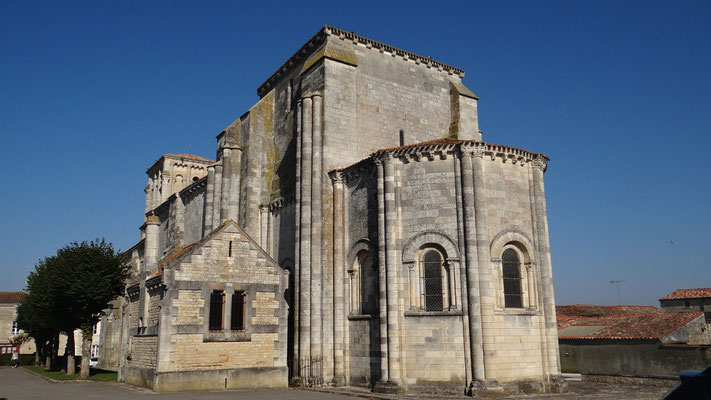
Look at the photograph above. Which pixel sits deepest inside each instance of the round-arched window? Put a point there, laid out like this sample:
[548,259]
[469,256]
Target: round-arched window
[432,265]
[513,295]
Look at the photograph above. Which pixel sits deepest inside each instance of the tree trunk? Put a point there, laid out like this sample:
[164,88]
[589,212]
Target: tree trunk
[46,352]
[54,353]
[85,354]
[69,352]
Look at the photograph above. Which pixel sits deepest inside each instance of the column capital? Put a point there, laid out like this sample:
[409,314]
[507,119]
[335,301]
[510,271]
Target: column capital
[470,151]
[337,177]
[540,162]
[383,159]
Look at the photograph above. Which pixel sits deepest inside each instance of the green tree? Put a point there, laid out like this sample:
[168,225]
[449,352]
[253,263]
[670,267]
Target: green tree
[70,291]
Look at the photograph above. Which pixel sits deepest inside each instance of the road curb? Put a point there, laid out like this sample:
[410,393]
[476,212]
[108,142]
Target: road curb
[50,380]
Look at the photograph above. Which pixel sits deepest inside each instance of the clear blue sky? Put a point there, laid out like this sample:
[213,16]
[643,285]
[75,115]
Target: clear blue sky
[616,93]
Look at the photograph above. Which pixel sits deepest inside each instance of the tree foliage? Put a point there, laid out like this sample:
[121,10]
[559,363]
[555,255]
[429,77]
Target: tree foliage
[70,290]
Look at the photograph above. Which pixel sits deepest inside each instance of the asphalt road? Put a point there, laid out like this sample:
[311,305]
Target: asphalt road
[18,384]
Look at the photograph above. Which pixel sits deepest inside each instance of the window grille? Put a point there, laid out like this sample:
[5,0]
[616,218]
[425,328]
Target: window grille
[237,317]
[433,280]
[217,302]
[513,295]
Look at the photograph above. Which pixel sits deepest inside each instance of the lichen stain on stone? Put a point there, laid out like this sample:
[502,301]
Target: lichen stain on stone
[269,147]
[331,52]
[327,247]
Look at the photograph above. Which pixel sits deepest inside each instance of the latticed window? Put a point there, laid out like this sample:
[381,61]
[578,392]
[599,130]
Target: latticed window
[513,295]
[217,303]
[432,265]
[237,317]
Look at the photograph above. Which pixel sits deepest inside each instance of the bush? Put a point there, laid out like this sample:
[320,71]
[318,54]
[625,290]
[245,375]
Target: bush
[25,359]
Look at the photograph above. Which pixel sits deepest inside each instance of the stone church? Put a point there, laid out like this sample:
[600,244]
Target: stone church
[354,229]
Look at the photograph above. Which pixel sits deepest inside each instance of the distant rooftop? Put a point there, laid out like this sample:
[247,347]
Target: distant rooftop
[587,310]
[12,297]
[626,326]
[688,294]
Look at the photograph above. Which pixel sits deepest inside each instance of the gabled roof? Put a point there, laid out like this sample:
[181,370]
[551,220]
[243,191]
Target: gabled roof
[688,294]
[12,297]
[626,326]
[181,253]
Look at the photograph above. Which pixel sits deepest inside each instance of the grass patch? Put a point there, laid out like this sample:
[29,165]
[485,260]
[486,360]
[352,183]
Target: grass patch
[95,374]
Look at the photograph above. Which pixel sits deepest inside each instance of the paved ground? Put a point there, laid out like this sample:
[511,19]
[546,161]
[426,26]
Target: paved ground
[18,384]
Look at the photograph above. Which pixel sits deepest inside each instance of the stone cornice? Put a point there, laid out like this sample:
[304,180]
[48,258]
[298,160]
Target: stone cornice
[320,37]
[279,203]
[444,148]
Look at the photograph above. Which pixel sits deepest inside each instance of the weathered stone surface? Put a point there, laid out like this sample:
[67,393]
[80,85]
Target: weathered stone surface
[409,176]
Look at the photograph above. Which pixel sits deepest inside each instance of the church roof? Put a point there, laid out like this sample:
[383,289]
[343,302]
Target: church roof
[688,294]
[179,253]
[320,37]
[191,157]
[12,297]
[446,144]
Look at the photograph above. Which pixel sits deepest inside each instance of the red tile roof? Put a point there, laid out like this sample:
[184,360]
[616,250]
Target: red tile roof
[688,294]
[586,310]
[643,325]
[12,297]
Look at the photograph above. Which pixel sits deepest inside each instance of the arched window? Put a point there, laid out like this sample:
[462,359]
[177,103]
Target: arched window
[363,277]
[511,268]
[432,263]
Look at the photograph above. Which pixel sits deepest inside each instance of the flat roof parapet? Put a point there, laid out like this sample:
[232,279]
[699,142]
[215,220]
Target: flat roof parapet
[320,37]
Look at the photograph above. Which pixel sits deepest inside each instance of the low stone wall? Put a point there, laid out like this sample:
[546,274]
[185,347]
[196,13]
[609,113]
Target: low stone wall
[631,359]
[243,378]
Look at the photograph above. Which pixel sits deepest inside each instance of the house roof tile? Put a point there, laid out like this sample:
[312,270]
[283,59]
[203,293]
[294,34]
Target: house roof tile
[12,297]
[688,294]
[590,310]
[619,322]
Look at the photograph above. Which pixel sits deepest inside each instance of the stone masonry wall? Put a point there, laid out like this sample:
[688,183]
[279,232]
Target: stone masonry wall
[154,306]
[428,198]
[364,351]
[194,215]
[379,97]
[142,351]
[133,313]
[517,339]
[227,261]
[434,350]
